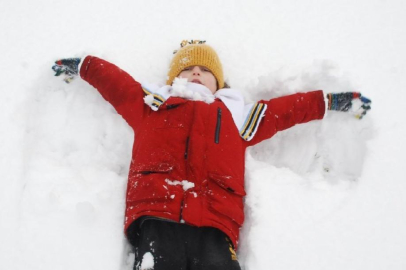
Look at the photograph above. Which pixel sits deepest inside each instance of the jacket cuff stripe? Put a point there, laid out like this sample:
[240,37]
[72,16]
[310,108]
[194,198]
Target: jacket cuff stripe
[248,120]
[252,121]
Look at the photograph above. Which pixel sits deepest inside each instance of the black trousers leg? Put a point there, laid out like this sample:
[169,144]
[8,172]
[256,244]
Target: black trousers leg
[161,240]
[175,246]
[212,251]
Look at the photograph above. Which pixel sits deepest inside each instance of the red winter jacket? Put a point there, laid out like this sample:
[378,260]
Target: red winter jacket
[193,141]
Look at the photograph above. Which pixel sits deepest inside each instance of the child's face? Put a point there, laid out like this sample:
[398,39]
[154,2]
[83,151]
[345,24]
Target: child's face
[201,75]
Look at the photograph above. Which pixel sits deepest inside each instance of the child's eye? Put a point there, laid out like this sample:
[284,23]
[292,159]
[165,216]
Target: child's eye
[188,68]
[206,69]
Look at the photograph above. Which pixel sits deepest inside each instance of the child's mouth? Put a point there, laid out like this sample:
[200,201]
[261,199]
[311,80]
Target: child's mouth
[196,81]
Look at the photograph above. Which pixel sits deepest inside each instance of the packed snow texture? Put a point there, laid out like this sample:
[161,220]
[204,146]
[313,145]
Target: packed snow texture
[324,195]
[184,183]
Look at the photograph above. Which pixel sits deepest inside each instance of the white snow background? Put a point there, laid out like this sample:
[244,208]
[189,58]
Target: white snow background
[325,195]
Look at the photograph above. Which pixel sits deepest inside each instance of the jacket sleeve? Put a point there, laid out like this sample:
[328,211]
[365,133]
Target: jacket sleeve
[117,87]
[285,112]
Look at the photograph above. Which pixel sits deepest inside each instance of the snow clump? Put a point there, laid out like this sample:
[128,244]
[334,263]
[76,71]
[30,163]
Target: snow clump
[147,261]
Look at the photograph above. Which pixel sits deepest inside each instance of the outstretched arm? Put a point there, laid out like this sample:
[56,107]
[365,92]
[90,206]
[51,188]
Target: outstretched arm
[285,112]
[115,85]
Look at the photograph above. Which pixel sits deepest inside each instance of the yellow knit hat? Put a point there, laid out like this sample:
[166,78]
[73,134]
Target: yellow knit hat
[195,53]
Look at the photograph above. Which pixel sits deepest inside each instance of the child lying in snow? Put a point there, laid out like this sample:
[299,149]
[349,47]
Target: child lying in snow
[184,204]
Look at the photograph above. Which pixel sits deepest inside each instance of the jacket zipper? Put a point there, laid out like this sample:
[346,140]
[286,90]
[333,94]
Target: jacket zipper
[187,147]
[183,200]
[181,212]
[218,126]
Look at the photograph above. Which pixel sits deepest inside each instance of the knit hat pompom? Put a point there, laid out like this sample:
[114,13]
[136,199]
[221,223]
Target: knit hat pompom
[195,53]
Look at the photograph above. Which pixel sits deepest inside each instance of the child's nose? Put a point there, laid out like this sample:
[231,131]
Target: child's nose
[196,70]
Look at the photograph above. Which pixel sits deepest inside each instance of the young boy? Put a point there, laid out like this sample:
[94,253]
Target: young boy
[184,203]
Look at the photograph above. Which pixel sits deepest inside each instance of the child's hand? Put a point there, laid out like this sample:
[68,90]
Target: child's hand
[358,104]
[67,66]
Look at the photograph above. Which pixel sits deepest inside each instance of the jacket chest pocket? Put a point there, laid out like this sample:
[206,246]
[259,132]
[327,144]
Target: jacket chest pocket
[173,116]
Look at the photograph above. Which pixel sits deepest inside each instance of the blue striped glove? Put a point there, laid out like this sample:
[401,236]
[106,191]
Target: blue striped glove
[345,101]
[67,66]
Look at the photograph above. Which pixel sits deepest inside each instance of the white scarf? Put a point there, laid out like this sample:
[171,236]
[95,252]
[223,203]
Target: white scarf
[246,116]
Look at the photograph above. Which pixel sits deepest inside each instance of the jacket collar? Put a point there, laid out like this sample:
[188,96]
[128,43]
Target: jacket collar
[246,117]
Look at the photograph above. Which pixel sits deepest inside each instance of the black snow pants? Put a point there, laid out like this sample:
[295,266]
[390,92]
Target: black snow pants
[165,245]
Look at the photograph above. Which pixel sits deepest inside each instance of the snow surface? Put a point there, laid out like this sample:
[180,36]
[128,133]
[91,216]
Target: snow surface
[325,195]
